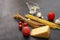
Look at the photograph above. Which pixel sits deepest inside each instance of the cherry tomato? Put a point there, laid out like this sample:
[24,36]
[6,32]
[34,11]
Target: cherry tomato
[20,23]
[20,26]
[26,31]
[51,16]
[25,24]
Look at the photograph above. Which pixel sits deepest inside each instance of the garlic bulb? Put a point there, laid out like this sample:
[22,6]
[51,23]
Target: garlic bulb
[57,21]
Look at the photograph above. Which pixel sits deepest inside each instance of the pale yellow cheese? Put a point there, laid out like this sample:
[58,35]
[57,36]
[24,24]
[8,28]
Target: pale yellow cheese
[43,32]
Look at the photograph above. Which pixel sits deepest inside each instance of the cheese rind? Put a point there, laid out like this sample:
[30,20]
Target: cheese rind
[43,32]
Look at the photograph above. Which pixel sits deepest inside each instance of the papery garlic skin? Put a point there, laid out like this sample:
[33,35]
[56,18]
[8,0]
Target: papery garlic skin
[32,8]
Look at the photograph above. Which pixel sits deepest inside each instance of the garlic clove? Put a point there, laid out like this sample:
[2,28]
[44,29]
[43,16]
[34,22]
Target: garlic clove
[57,21]
[28,18]
[42,17]
[39,14]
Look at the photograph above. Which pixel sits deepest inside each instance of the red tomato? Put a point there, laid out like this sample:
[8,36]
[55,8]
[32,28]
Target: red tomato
[20,26]
[25,24]
[26,31]
[51,16]
[20,23]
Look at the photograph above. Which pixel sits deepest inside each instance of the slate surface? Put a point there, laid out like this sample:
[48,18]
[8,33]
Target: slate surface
[9,27]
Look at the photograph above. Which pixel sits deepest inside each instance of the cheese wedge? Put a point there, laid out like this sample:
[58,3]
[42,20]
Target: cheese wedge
[43,32]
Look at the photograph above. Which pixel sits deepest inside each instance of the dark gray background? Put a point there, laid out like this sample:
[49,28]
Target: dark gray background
[9,27]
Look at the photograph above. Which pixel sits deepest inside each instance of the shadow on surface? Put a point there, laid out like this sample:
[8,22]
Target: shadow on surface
[26,38]
[41,38]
